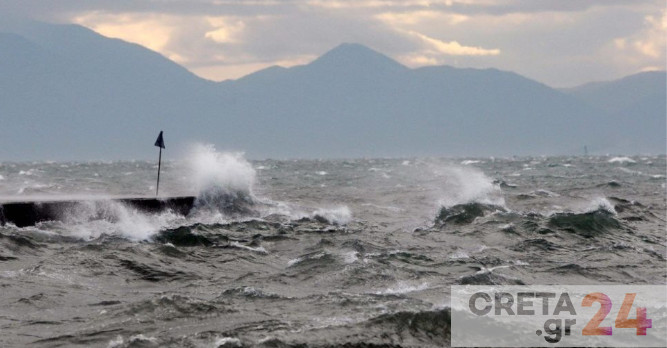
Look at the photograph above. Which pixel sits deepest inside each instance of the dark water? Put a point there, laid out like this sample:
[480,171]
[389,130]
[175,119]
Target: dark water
[319,253]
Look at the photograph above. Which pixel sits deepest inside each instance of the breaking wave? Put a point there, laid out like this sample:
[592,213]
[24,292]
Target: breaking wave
[224,182]
[462,185]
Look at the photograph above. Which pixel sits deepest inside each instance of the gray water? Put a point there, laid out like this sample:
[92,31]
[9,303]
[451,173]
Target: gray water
[334,252]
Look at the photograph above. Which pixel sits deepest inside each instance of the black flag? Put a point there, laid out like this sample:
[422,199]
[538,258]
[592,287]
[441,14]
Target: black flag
[160,142]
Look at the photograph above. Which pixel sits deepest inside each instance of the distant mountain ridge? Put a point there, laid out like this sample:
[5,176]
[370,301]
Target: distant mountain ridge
[618,94]
[636,105]
[69,93]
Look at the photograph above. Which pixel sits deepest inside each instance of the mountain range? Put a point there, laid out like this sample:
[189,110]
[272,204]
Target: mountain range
[68,93]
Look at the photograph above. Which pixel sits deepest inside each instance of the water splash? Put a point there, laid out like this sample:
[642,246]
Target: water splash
[224,181]
[462,185]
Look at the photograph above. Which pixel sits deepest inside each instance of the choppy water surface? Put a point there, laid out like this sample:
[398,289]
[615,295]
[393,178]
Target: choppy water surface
[355,252]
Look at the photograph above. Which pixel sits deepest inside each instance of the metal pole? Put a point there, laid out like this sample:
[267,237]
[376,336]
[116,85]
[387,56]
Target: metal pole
[159,164]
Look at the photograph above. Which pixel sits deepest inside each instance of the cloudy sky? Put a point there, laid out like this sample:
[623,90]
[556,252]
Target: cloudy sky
[558,42]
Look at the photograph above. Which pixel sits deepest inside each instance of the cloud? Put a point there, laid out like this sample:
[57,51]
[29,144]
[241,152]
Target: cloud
[645,48]
[225,30]
[454,48]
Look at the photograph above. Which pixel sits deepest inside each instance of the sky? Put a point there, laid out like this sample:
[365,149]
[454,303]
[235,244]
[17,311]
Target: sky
[561,43]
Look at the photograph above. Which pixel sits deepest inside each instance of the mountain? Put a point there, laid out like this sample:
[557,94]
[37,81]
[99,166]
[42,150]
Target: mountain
[636,105]
[616,95]
[356,102]
[69,93]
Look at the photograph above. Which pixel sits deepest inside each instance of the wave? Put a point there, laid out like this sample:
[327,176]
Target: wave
[415,328]
[155,273]
[588,224]
[248,292]
[488,278]
[335,216]
[465,213]
[541,193]
[403,288]
[225,194]
[182,236]
[622,160]
[172,306]
[224,182]
[462,185]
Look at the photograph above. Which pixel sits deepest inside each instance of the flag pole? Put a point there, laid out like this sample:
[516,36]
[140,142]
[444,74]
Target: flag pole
[159,143]
[159,164]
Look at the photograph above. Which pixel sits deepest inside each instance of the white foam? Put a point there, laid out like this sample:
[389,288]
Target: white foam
[598,203]
[293,262]
[339,215]
[259,249]
[227,342]
[141,338]
[90,219]
[222,172]
[117,342]
[459,254]
[469,162]
[350,257]
[622,160]
[403,288]
[28,172]
[298,260]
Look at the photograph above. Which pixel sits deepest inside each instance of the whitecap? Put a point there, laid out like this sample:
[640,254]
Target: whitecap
[469,162]
[138,339]
[117,342]
[462,185]
[227,342]
[622,160]
[402,288]
[458,255]
[350,257]
[259,249]
[298,260]
[600,203]
[337,216]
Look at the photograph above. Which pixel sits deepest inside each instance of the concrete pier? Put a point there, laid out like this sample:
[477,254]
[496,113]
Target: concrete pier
[24,214]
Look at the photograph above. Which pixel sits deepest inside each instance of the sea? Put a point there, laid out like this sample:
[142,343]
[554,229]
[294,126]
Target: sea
[313,253]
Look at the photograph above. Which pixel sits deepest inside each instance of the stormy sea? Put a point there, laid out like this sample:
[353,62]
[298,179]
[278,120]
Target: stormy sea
[313,253]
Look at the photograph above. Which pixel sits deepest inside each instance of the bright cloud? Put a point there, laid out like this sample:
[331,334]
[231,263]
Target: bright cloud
[645,49]
[225,30]
[454,48]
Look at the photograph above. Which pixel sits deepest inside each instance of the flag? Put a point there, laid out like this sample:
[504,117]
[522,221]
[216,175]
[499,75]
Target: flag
[160,142]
